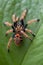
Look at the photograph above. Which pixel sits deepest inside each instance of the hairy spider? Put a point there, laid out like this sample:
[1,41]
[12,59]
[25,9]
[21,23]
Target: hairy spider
[19,29]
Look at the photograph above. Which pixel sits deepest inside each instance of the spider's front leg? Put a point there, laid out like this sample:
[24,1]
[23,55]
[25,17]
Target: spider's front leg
[9,31]
[7,24]
[30,31]
[25,35]
[9,43]
[14,17]
[33,20]
[23,15]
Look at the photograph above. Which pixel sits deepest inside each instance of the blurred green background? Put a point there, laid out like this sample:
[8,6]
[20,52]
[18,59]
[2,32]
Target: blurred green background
[29,53]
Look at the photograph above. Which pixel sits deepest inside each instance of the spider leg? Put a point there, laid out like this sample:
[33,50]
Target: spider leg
[24,13]
[14,17]
[30,31]
[9,31]
[25,35]
[33,20]
[9,43]
[7,24]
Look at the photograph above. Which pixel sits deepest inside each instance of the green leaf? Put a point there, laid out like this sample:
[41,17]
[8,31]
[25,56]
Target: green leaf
[29,53]
[34,55]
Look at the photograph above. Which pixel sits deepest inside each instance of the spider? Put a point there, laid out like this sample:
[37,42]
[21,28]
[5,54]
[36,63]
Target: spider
[19,29]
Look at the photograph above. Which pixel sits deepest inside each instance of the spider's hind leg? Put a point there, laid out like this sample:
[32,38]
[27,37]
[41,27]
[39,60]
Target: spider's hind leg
[9,31]
[25,35]
[30,31]
[9,43]
[7,24]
